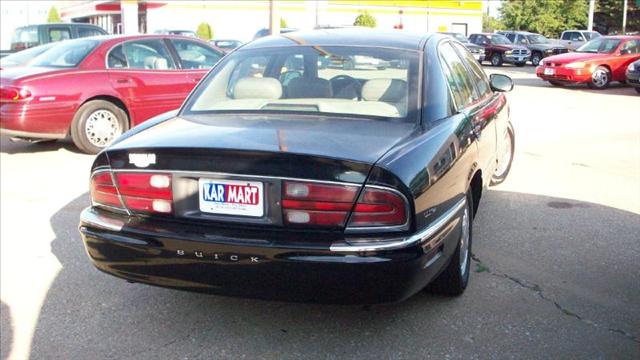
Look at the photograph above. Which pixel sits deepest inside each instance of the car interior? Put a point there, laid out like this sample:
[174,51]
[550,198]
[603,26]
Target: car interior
[311,84]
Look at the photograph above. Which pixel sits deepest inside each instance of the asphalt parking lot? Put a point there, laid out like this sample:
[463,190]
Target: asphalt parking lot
[555,273]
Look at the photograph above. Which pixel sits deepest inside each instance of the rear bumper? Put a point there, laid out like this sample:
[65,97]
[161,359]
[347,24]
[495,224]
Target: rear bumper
[161,254]
[42,120]
[563,74]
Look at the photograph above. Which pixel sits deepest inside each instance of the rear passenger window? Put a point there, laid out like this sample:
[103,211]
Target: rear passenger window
[148,54]
[116,58]
[457,76]
[194,55]
[477,74]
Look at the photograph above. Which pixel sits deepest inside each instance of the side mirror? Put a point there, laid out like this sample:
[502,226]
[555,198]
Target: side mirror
[625,51]
[500,82]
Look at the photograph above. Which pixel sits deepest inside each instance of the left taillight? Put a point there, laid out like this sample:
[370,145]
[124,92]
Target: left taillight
[140,192]
[103,190]
[12,94]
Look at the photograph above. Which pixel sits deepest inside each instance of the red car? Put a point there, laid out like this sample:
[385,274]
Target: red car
[94,89]
[596,63]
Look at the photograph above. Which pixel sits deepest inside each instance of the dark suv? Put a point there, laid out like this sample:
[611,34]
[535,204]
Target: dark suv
[33,35]
[539,45]
[498,49]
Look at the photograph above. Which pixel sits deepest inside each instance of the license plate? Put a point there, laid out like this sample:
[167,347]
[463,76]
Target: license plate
[548,71]
[231,197]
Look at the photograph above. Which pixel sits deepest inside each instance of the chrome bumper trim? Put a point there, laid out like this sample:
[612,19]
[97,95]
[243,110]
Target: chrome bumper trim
[90,217]
[417,238]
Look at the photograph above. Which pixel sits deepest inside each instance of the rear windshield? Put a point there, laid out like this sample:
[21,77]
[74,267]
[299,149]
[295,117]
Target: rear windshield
[356,81]
[591,35]
[66,54]
[23,57]
[600,45]
[25,35]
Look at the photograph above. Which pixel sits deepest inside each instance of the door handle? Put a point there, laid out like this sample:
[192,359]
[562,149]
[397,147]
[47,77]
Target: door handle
[122,81]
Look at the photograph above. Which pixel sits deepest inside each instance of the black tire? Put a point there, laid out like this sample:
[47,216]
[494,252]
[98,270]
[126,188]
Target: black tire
[496,59]
[501,172]
[600,78]
[535,58]
[453,280]
[521,64]
[80,119]
[637,89]
[556,83]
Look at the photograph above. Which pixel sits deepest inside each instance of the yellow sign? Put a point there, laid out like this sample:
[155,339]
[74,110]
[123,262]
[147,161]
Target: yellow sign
[432,4]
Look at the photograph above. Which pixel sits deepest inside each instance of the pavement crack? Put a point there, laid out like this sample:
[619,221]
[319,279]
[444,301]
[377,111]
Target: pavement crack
[537,289]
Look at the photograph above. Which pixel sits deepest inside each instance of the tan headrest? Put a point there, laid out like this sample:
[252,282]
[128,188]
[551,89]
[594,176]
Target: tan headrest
[387,90]
[257,88]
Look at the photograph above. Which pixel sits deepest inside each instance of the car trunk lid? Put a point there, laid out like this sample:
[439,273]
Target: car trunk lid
[243,153]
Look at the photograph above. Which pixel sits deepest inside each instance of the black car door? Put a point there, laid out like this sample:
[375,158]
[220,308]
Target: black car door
[473,97]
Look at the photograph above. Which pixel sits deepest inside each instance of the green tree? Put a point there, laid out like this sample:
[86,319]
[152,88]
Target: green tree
[548,17]
[204,31]
[607,17]
[490,24]
[283,23]
[365,19]
[53,16]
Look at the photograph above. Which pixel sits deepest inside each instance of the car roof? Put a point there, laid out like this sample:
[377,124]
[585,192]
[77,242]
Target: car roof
[484,33]
[622,37]
[343,37]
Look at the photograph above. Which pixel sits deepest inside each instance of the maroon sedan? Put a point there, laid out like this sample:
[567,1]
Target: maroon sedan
[94,89]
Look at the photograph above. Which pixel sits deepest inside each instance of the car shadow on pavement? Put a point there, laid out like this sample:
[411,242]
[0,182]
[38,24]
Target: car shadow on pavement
[8,146]
[6,334]
[90,314]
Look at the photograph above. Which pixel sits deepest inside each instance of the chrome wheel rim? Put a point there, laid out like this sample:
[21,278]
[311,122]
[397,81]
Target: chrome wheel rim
[464,242]
[505,158]
[535,60]
[495,60]
[102,127]
[600,78]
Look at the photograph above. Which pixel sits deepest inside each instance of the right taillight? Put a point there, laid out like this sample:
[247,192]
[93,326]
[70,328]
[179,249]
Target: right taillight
[378,207]
[329,205]
[315,204]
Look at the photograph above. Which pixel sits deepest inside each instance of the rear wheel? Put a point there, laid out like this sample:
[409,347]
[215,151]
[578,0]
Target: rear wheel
[455,277]
[96,124]
[505,157]
[535,59]
[496,59]
[600,78]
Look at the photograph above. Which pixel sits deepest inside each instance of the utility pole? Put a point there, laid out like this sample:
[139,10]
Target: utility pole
[592,5]
[624,18]
[274,18]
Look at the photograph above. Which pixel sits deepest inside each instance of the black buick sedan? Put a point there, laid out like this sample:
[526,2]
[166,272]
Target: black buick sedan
[282,179]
